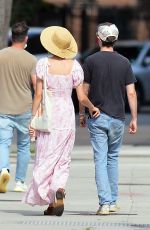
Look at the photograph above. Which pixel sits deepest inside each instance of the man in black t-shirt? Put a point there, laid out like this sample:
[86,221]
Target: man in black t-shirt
[107,78]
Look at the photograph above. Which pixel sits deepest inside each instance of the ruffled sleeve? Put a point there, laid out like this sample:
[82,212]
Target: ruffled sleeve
[41,68]
[78,75]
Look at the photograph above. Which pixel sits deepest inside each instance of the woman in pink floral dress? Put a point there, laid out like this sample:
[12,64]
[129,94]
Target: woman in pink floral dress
[53,149]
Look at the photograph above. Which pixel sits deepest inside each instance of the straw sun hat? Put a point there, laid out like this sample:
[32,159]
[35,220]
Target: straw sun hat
[59,41]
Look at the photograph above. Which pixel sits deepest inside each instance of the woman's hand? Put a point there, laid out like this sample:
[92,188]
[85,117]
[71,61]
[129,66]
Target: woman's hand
[94,112]
[31,131]
[82,120]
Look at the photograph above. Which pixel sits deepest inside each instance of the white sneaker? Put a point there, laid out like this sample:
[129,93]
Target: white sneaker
[20,187]
[113,208]
[103,210]
[4,179]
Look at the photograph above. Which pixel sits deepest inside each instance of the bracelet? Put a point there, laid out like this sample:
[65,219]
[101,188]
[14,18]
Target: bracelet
[81,114]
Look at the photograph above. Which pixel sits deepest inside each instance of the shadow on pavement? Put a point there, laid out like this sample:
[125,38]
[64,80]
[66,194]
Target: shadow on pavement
[25,212]
[77,213]
[84,213]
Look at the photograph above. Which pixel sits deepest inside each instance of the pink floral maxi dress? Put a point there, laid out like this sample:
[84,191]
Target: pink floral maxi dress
[53,150]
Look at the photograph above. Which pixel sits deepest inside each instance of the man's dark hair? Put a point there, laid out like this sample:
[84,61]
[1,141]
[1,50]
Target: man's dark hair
[19,31]
[108,42]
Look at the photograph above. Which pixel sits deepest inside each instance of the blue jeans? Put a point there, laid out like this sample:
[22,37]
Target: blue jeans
[7,125]
[106,137]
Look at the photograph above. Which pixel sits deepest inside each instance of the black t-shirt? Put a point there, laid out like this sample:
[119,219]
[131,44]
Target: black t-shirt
[108,73]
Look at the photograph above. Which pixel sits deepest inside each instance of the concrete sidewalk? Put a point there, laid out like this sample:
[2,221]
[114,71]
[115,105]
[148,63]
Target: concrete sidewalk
[81,201]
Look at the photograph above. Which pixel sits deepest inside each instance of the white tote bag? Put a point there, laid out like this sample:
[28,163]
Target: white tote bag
[43,122]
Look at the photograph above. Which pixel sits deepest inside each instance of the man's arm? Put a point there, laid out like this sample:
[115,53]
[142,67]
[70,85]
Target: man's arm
[132,100]
[82,118]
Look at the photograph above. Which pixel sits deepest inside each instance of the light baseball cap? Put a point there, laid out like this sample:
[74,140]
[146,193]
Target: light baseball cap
[107,30]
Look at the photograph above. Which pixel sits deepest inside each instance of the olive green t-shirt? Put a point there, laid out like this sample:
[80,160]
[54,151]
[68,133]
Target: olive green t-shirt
[16,68]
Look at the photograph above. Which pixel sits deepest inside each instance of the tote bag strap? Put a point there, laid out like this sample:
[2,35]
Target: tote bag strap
[47,96]
[44,85]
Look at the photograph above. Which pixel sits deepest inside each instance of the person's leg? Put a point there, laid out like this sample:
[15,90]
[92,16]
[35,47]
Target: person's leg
[23,145]
[6,135]
[99,139]
[116,130]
